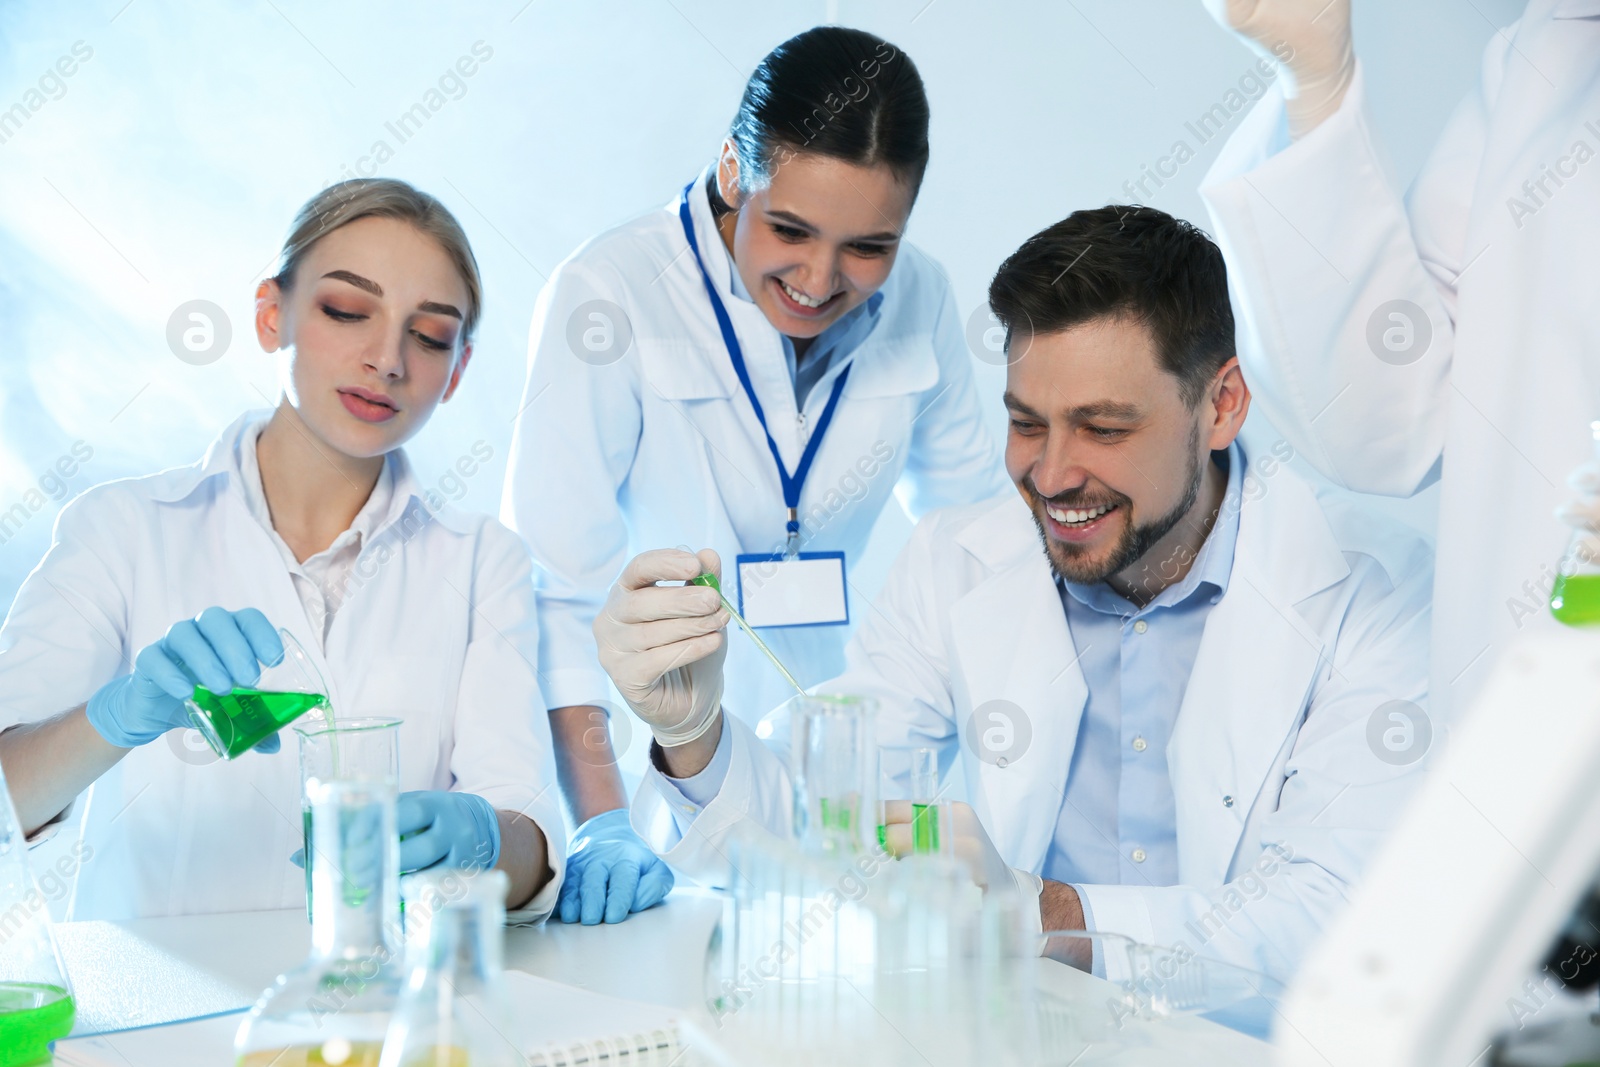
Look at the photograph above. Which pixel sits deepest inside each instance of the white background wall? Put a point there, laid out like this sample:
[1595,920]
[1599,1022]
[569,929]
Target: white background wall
[167,168]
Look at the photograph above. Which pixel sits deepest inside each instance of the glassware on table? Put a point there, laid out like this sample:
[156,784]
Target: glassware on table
[346,750]
[454,1010]
[912,773]
[833,772]
[1575,598]
[236,721]
[335,1007]
[1156,981]
[36,1003]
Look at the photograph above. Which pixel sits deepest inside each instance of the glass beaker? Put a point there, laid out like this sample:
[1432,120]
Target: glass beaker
[454,1009]
[911,774]
[335,1007]
[36,1005]
[1575,598]
[834,775]
[236,721]
[346,750]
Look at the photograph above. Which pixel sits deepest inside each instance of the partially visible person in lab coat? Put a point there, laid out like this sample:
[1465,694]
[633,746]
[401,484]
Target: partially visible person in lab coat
[1447,335]
[754,366]
[306,517]
[1176,721]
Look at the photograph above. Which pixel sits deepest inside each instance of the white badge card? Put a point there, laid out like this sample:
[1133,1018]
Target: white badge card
[806,590]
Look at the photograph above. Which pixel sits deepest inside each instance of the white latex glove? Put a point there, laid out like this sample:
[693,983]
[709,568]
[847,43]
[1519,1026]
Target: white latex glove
[1311,38]
[664,646]
[1582,512]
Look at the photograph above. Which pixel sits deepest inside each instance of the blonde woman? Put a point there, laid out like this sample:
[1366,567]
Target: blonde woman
[306,517]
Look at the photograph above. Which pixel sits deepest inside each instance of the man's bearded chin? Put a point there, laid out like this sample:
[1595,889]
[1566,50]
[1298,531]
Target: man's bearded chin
[1073,563]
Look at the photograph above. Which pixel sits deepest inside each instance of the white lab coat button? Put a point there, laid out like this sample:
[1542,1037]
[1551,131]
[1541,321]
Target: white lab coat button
[1227,802]
[1139,744]
[1140,627]
[1138,855]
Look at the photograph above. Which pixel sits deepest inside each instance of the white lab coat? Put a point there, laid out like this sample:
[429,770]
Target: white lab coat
[662,448]
[1325,620]
[438,629]
[1499,406]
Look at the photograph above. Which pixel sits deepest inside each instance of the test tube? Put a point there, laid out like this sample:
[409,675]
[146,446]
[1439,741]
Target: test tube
[924,801]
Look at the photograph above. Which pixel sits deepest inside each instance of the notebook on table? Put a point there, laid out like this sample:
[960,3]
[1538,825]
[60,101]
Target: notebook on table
[557,1026]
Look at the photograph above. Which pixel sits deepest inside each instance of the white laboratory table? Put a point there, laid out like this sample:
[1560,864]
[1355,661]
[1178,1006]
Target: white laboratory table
[148,971]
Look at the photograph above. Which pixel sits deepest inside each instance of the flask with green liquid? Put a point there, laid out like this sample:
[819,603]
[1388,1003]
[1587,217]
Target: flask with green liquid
[236,721]
[36,1005]
[1575,599]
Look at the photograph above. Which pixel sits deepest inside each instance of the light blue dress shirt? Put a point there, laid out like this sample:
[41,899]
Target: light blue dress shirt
[1118,821]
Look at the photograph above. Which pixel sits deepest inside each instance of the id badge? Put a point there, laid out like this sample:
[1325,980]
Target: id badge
[807,590]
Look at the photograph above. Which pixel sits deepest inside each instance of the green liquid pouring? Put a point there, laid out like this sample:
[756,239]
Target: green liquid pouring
[243,718]
[1575,600]
[710,582]
[31,1016]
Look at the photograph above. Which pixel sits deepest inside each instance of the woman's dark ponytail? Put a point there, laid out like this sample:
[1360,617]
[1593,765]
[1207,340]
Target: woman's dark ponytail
[837,92]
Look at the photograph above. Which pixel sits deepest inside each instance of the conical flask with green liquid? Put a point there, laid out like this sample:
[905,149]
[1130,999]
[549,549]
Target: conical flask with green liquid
[36,1005]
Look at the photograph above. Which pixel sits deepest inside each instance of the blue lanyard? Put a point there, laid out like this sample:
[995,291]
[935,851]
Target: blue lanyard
[791,482]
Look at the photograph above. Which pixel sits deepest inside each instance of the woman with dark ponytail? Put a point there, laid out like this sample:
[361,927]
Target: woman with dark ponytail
[751,370]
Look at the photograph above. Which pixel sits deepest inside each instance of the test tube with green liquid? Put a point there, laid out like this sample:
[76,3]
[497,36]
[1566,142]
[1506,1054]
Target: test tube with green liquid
[710,582]
[921,766]
[924,801]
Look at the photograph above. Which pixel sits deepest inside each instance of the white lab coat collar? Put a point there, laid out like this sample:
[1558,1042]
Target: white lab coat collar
[221,460]
[1257,660]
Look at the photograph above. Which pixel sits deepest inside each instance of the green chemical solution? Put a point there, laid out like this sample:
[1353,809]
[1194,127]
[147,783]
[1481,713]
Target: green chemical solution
[837,815]
[924,829]
[243,718]
[32,1015]
[1575,600]
[710,582]
[305,828]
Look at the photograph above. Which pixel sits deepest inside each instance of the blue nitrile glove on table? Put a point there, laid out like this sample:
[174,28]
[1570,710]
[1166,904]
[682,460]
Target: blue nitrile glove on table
[218,649]
[611,872]
[445,828]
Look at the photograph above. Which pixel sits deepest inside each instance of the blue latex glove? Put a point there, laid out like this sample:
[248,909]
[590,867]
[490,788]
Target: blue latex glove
[611,873]
[452,829]
[217,649]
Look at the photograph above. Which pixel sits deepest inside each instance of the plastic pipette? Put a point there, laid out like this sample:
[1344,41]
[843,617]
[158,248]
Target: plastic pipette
[710,582]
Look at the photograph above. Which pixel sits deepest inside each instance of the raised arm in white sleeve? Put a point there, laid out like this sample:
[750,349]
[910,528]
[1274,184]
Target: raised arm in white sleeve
[1345,294]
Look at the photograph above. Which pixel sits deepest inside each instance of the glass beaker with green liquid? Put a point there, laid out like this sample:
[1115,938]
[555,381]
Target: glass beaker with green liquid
[334,1008]
[36,1005]
[833,775]
[346,750]
[1575,599]
[236,721]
